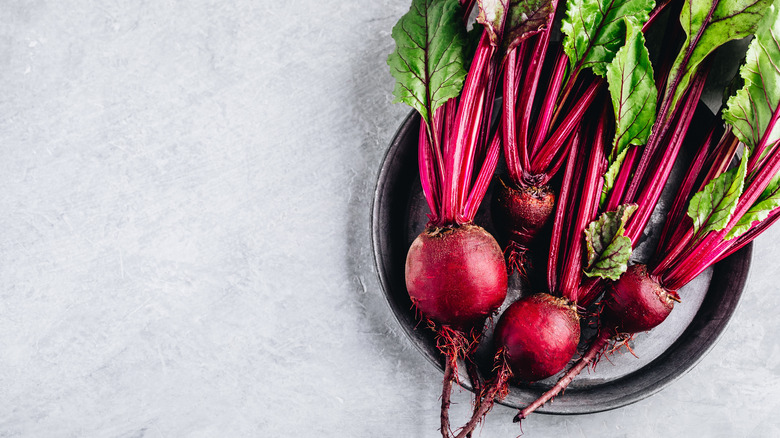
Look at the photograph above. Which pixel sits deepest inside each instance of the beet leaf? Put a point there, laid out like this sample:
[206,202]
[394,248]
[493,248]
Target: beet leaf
[428,61]
[750,110]
[509,22]
[708,24]
[608,248]
[769,200]
[526,18]
[753,110]
[595,29]
[633,93]
[712,207]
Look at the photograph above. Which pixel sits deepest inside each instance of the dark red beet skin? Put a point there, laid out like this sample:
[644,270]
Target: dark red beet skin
[636,302]
[539,335]
[520,214]
[456,276]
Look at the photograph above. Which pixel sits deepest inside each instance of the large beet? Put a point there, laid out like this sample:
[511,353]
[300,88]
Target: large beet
[456,276]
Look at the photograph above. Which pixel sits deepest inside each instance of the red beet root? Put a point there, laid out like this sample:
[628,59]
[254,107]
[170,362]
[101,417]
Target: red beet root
[634,303]
[521,213]
[539,335]
[637,303]
[456,276]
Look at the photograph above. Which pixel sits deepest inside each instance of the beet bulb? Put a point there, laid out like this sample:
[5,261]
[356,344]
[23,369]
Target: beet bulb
[634,303]
[539,335]
[520,214]
[456,276]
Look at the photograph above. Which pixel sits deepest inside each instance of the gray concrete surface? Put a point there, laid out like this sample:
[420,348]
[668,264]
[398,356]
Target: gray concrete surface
[184,247]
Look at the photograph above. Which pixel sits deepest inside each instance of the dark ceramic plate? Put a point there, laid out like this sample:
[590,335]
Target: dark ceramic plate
[664,354]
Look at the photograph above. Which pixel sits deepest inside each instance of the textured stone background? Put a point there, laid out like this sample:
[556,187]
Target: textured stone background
[184,245]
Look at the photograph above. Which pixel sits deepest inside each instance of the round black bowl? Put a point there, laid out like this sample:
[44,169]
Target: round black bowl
[664,354]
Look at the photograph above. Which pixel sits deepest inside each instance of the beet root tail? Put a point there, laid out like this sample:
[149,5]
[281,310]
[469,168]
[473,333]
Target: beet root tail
[493,391]
[590,355]
[517,259]
[446,391]
[454,345]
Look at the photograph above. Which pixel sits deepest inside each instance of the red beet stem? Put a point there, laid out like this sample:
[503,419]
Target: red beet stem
[589,203]
[544,122]
[653,188]
[508,123]
[590,289]
[680,203]
[621,183]
[431,164]
[564,215]
[682,235]
[460,157]
[528,91]
[712,247]
[542,159]
[756,155]
[483,179]
[560,214]
[751,234]
[665,116]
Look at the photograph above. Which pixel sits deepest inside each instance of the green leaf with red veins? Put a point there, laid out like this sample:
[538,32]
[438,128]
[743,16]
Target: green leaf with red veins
[633,94]
[712,207]
[750,109]
[632,89]
[594,29]
[509,22]
[608,248]
[769,200]
[708,25]
[525,19]
[428,61]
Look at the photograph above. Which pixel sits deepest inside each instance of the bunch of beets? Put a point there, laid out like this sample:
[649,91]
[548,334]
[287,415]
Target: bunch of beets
[573,114]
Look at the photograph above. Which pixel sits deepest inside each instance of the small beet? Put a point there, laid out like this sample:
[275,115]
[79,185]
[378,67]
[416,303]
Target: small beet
[539,335]
[521,213]
[456,276]
[636,302]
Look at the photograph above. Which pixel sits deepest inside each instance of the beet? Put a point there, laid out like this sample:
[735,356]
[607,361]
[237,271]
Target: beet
[636,302]
[539,335]
[456,276]
[520,214]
